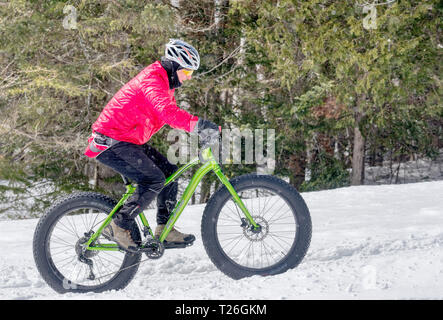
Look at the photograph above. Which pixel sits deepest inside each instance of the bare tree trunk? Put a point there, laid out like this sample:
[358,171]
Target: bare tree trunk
[358,155]
[297,166]
[96,176]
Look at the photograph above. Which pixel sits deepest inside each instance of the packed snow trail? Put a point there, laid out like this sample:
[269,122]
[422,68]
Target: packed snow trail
[369,242]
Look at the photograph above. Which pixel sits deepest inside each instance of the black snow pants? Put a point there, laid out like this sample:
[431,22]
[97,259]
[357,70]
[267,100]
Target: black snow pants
[149,169]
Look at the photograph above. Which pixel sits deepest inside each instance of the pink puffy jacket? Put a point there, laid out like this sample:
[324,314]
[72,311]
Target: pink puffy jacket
[141,108]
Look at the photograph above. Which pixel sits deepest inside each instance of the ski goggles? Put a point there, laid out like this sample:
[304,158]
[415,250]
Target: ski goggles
[188,72]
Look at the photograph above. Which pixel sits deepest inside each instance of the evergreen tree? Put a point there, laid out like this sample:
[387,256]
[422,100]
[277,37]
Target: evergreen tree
[338,84]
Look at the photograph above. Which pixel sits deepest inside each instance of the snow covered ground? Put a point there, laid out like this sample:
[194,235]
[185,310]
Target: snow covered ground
[369,242]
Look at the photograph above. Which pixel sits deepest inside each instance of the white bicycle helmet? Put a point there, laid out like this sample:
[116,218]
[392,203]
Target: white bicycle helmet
[182,53]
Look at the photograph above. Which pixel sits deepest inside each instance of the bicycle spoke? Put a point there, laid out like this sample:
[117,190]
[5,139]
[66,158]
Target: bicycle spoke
[282,216]
[62,241]
[66,229]
[69,262]
[268,253]
[276,212]
[230,219]
[278,242]
[115,264]
[236,208]
[241,238]
[72,223]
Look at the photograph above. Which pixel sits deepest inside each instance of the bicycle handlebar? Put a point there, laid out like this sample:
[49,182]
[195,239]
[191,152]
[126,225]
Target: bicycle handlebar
[210,141]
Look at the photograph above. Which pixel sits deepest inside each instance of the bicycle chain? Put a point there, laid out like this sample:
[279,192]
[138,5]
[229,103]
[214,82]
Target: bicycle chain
[112,273]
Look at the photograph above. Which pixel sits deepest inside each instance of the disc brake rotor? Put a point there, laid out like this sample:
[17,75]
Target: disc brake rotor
[249,232]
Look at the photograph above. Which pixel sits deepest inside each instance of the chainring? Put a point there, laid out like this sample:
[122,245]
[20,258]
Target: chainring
[153,249]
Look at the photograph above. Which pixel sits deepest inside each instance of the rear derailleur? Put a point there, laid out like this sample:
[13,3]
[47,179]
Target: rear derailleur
[84,255]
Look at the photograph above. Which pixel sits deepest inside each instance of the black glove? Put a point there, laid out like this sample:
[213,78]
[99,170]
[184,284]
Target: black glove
[208,132]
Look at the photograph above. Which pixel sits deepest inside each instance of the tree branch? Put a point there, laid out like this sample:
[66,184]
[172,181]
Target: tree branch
[235,52]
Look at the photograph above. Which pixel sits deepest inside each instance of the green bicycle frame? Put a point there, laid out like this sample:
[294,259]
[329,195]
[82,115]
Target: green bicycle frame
[209,164]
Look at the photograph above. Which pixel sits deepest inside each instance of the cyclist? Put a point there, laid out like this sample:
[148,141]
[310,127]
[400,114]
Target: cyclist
[119,136]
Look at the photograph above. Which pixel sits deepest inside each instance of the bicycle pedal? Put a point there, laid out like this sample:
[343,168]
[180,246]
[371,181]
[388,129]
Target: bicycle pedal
[177,245]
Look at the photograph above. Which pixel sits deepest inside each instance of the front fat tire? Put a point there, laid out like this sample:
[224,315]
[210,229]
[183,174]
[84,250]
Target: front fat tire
[42,256]
[220,198]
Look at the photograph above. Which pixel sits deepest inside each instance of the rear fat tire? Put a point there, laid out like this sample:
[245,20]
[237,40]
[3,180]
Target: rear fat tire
[43,259]
[222,196]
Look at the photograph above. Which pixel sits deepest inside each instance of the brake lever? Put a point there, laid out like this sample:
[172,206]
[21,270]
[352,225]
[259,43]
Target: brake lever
[209,144]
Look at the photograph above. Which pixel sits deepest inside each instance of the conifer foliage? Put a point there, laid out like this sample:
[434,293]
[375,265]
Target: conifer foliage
[340,85]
